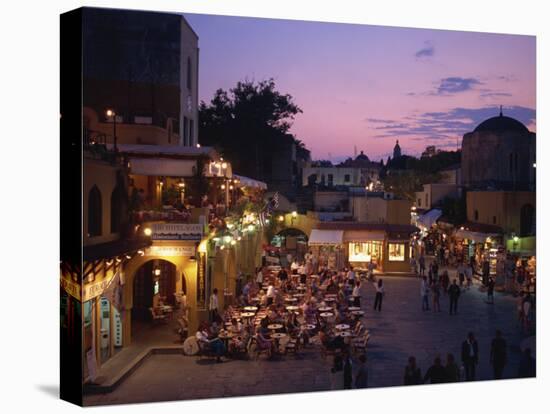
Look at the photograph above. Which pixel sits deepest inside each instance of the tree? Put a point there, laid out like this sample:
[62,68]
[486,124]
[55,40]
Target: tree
[247,123]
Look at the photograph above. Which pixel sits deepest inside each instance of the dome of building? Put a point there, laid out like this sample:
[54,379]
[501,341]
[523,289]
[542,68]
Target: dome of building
[501,123]
[361,157]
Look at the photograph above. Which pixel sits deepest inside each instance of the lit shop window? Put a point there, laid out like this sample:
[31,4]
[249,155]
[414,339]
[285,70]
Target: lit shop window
[365,252]
[396,252]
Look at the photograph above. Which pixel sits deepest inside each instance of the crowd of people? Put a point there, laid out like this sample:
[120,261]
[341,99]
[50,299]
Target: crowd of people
[451,371]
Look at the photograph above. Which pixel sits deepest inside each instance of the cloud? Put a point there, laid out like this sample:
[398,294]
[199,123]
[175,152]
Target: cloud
[427,51]
[378,121]
[446,126]
[494,94]
[456,84]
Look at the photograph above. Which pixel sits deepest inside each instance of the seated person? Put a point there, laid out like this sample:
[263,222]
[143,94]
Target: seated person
[212,344]
[331,342]
[262,337]
[238,342]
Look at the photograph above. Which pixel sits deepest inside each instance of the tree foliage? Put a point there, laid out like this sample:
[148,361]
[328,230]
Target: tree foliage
[247,122]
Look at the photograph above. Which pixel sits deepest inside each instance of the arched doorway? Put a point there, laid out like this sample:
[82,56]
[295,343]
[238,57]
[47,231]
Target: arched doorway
[291,240]
[154,284]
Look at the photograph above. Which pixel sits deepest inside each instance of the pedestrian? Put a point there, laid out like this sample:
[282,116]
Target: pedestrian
[452,372]
[461,279]
[337,376]
[470,356]
[213,306]
[520,300]
[485,271]
[526,307]
[490,291]
[436,373]
[498,354]
[356,294]
[435,297]
[527,365]
[445,281]
[412,374]
[348,372]
[468,272]
[379,295]
[454,293]
[260,277]
[362,375]
[424,293]
[422,264]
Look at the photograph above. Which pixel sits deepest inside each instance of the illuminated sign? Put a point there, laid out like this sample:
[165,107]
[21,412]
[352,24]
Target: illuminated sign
[187,250]
[177,231]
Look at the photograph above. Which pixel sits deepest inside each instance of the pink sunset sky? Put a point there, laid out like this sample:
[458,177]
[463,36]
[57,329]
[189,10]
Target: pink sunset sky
[368,86]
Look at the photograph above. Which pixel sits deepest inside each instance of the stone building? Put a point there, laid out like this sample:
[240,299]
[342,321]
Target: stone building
[499,154]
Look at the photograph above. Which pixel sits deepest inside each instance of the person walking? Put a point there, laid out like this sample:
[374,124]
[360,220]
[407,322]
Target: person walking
[356,294]
[436,373]
[213,306]
[454,293]
[470,356]
[452,372]
[424,293]
[490,291]
[379,295]
[362,377]
[527,365]
[435,297]
[412,374]
[499,354]
[422,264]
[348,372]
[260,277]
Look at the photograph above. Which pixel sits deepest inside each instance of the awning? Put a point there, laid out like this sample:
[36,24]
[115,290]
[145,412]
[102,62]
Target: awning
[162,167]
[363,236]
[250,182]
[325,237]
[429,218]
[478,237]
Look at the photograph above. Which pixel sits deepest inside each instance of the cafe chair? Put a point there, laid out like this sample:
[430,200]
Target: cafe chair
[156,317]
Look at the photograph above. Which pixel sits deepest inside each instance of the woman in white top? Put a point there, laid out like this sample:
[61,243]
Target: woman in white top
[356,294]
[379,295]
[260,277]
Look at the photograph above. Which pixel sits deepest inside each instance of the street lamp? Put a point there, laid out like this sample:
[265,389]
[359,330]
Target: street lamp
[111,114]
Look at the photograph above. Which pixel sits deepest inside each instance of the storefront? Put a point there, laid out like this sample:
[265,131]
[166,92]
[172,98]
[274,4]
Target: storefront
[328,247]
[387,246]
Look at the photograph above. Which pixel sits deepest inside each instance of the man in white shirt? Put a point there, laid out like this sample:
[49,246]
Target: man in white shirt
[294,267]
[213,305]
[270,294]
[351,274]
[260,277]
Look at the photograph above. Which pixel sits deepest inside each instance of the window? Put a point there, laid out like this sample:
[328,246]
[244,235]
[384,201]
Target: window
[347,178]
[94,212]
[396,252]
[365,252]
[191,132]
[419,202]
[494,219]
[330,180]
[189,73]
[476,215]
[117,209]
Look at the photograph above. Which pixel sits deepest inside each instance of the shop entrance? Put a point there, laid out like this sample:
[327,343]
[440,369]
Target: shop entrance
[154,286]
[291,241]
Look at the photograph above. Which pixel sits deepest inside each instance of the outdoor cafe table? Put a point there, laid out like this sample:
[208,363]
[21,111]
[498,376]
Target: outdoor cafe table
[358,313]
[329,299]
[291,299]
[354,308]
[225,337]
[325,309]
[342,326]
[301,288]
[250,308]
[277,337]
[344,334]
[309,326]
[298,295]
[327,314]
[292,308]
[274,326]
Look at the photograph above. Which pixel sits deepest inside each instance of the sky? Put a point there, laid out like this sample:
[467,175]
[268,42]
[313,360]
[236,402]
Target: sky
[365,87]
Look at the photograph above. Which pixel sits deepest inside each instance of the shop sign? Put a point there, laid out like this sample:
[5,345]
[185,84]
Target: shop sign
[187,250]
[95,289]
[177,231]
[201,281]
[72,288]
